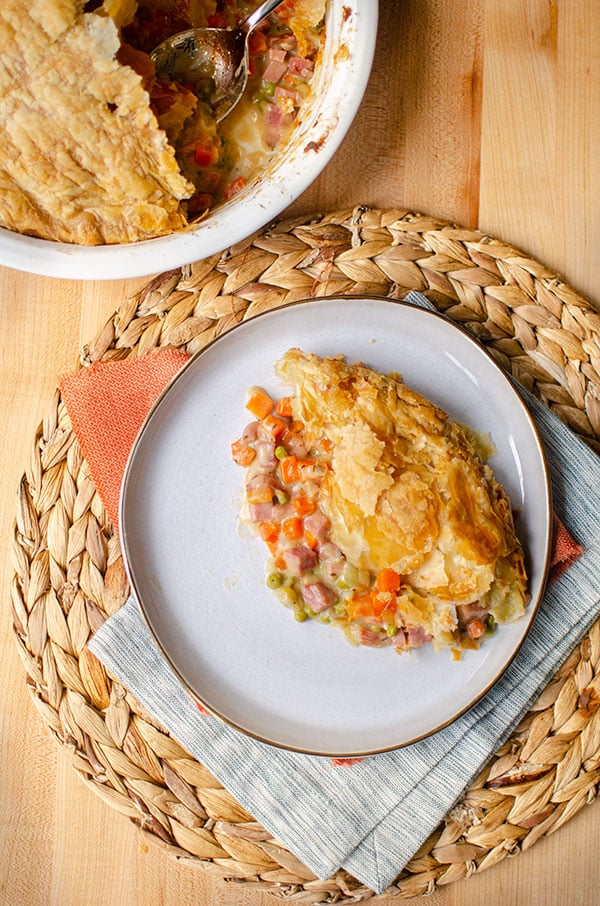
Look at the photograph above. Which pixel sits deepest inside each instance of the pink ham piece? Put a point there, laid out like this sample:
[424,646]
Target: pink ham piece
[276,66]
[318,525]
[262,481]
[250,433]
[286,94]
[318,596]
[417,636]
[260,512]
[265,456]
[302,67]
[299,560]
[332,559]
[283,511]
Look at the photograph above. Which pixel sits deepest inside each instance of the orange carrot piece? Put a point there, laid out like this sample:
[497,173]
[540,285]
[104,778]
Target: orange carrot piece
[242,453]
[283,407]
[475,628]
[360,606]
[269,530]
[388,580]
[274,425]
[292,528]
[310,539]
[259,495]
[234,186]
[259,402]
[303,506]
[384,602]
[288,469]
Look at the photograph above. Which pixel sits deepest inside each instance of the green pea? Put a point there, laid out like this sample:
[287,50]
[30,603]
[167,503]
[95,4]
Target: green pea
[274,580]
[300,616]
[490,623]
[288,595]
[280,452]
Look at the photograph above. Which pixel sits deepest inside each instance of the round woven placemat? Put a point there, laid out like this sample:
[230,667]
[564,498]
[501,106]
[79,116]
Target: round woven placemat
[69,572]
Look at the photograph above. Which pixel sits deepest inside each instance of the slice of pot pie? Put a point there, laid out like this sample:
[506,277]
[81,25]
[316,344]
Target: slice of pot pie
[379,512]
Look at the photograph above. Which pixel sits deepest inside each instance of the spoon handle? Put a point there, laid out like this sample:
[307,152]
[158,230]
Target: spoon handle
[259,14]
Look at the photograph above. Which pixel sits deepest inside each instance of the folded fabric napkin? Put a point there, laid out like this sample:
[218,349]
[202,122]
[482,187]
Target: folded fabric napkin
[367,815]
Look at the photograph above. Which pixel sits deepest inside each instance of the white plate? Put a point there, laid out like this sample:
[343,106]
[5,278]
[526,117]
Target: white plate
[201,581]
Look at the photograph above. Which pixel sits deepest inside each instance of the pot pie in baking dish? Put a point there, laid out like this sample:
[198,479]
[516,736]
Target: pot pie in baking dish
[380,513]
[97,150]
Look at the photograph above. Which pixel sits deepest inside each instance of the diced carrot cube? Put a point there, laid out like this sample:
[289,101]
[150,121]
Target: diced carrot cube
[292,528]
[234,186]
[260,494]
[274,425]
[310,539]
[303,506]
[475,628]
[242,453]
[269,530]
[388,580]
[259,402]
[360,606]
[288,469]
[283,407]
[383,602]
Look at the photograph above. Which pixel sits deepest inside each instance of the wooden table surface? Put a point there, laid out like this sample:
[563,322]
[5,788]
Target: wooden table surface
[485,112]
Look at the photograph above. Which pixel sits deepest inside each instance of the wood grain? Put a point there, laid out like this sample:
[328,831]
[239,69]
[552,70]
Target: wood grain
[482,112]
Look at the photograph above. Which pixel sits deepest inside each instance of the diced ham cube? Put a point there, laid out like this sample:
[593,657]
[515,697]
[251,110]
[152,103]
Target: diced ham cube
[299,560]
[274,71]
[276,121]
[260,512]
[283,511]
[265,456]
[371,637]
[260,486]
[250,433]
[332,559]
[466,612]
[318,596]
[417,636]
[276,65]
[287,98]
[302,67]
[294,443]
[274,116]
[318,525]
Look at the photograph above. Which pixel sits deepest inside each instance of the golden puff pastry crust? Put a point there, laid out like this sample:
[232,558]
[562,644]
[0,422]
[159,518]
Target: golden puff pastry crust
[406,490]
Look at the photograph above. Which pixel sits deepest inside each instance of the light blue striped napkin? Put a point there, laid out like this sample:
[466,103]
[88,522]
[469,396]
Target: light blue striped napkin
[371,818]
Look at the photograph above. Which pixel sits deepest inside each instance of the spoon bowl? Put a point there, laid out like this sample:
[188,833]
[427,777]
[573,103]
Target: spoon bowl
[212,61]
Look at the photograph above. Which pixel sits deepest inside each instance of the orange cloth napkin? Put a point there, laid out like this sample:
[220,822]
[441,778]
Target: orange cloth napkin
[109,401]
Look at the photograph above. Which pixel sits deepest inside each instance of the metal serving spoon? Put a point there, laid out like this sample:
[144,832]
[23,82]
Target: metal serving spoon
[212,61]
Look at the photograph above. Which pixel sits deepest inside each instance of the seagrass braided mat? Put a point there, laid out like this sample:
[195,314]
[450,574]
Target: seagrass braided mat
[69,572]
